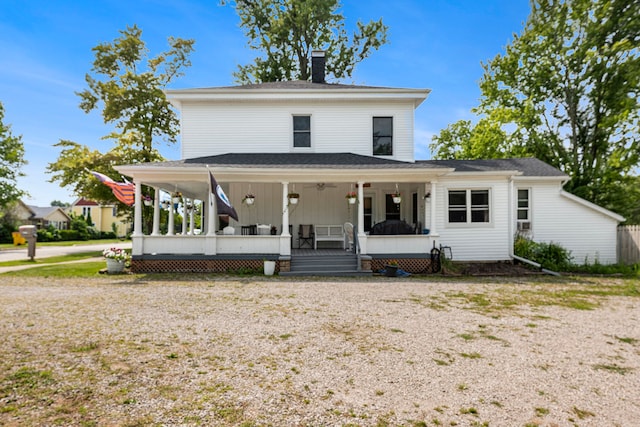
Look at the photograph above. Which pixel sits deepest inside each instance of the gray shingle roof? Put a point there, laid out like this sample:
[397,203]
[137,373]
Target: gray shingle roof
[529,166]
[42,212]
[298,160]
[295,84]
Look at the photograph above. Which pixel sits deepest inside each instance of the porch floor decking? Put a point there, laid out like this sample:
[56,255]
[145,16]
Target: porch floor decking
[319,252]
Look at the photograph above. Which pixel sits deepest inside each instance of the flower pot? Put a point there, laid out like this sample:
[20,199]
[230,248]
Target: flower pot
[176,200]
[293,200]
[390,270]
[115,265]
[397,200]
[269,268]
[352,200]
[147,202]
[249,200]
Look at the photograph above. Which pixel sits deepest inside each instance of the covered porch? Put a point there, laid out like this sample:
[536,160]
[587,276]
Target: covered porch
[268,227]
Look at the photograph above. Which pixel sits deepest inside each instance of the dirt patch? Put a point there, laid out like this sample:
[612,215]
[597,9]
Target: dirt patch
[489,269]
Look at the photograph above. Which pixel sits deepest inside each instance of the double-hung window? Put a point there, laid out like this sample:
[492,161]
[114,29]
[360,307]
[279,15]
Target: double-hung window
[383,136]
[524,215]
[301,131]
[469,206]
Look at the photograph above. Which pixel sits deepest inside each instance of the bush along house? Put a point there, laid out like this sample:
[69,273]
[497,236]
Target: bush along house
[324,181]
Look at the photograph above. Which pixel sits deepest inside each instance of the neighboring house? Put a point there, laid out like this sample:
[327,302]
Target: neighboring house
[102,216]
[41,217]
[326,140]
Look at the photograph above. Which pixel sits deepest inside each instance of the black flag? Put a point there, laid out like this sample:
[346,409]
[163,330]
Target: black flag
[223,205]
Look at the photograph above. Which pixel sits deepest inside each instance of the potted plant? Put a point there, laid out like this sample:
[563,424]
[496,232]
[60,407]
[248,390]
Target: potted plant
[391,268]
[397,197]
[293,198]
[147,200]
[176,197]
[116,259]
[352,197]
[249,198]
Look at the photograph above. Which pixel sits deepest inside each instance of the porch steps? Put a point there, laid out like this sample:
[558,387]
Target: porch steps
[325,265]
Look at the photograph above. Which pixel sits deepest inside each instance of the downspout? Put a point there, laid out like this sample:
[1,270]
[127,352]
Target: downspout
[512,236]
[536,265]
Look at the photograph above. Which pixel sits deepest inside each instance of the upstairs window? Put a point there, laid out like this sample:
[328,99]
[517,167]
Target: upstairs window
[383,136]
[469,206]
[301,131]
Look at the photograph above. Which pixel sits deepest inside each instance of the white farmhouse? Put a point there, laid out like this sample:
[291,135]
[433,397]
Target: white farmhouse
[324,142]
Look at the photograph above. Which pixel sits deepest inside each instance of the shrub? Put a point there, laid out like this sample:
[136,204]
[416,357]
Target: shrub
[5,233]
[550,255]
[67,235]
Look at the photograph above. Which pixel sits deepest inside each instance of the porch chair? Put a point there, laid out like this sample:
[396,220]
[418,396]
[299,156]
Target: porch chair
[305,235]
[348,236]
[249,230]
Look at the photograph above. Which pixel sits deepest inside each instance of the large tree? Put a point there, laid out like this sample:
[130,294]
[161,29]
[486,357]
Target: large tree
[128,88]
[11,162]
[565,91]
[286,31]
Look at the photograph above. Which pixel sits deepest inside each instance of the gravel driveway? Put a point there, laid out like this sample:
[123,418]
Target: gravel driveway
[132,351]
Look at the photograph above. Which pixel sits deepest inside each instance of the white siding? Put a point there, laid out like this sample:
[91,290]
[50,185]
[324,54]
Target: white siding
[588,234]
[211,129]
[476,241]
[327,206]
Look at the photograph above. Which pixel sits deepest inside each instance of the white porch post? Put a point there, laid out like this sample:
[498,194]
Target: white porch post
[184,216]
[362,238]
[432,225]
[137,209]
[171,225]
[191,219]
[156,213]
[211,215]
[285,236]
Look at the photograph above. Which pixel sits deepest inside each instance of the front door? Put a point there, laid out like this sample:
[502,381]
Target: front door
[392,210]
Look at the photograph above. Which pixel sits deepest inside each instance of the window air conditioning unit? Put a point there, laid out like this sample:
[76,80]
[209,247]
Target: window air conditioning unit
[524,226]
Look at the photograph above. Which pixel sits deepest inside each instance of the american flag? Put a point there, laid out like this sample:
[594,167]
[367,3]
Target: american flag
[124,191]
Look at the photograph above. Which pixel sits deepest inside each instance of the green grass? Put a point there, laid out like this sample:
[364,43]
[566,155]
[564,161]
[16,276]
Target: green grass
[7,246]
[52,260]
[82,269]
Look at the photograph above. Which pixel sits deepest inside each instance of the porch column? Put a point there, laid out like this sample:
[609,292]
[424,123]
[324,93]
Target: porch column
[285,236]
[156,213]
[137,209]
[432,224]
[184,216]
[191,219]
[362,238]
[211,215]
[171,225]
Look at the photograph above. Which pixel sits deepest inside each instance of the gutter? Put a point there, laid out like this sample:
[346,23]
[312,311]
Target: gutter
[536,265]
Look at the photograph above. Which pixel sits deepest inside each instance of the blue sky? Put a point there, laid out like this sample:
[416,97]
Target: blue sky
[45,49]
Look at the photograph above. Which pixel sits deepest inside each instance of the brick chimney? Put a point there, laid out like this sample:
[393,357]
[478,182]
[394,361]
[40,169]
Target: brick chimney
[317,66]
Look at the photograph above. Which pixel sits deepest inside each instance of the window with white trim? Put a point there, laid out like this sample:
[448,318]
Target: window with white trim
[383,136]
[469,206]
[524,209]
[301,131]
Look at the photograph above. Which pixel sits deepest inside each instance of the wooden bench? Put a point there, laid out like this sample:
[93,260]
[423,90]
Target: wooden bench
[328,233]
